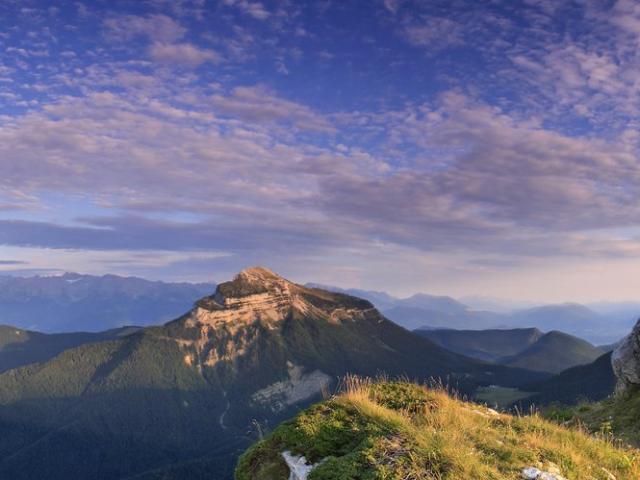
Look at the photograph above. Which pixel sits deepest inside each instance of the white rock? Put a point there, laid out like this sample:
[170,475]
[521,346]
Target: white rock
[532,473]
[625,360]
[298,466]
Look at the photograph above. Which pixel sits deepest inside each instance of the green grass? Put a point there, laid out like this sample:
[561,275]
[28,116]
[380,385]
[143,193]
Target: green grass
[617,417]
[398,430]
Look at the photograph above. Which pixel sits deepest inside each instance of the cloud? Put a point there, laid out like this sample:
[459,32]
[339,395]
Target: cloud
[392,5]
[182,54]
[477,179]
[502,181]
[407,153]
[165,35]
[133,233]
[12,262]
[155,27]
[259,104]
[254,9]
[434,32]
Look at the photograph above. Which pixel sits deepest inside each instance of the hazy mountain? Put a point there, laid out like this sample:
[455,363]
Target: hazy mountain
[22,347]
[554,352]
[381,300]
[73,302]
[422,310]
[177,401]
[600,323]
[590,382]
[609,347]
[490,345]
[567,317]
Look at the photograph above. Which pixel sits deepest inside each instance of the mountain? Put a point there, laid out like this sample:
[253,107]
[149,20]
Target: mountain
[22,347]
[398,431]
[381,300]
[572,318]
[554,352]
[178,401]
[601,323]
[422,310]
[490,345]
[592,382]
[74,302]
[610,347]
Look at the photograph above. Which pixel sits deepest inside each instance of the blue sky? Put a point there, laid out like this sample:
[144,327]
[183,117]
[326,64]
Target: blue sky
[460,147]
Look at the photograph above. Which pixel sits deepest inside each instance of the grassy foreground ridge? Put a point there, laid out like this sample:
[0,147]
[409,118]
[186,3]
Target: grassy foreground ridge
[393,430]
[617,416]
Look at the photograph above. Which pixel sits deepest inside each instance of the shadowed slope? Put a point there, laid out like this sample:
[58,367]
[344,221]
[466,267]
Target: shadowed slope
[554,352]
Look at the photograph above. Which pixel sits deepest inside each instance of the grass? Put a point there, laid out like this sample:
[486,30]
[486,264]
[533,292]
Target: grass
[401,431]
[616,417]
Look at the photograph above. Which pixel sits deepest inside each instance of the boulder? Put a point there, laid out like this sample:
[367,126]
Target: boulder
[298,467]
[625,360]
[532,473]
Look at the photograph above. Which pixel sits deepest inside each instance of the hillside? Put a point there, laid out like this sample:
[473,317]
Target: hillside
[179,400]
[74,302]
[489,345]
[399,431]
[22,347]
[617,415]
[554,352]
[591,382]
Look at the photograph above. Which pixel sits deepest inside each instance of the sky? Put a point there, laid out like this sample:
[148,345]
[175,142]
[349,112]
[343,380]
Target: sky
[460,147]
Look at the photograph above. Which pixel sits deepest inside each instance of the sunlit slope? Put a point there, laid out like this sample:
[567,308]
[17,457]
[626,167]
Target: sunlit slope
[400,431]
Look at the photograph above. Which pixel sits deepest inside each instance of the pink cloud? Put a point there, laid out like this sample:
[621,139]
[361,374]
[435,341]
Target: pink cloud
[182,54]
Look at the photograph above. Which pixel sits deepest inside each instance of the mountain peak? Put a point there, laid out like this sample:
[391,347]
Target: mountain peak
[259,275]
[252,288]
[252,281]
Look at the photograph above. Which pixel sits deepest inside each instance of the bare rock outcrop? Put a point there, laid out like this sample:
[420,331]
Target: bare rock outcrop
[298,467]
[625,360]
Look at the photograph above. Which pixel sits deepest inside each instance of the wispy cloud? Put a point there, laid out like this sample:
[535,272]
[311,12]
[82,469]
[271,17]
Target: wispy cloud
[182,54]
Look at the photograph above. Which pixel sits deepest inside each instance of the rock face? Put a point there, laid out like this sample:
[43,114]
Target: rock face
[298,467]
[626,360]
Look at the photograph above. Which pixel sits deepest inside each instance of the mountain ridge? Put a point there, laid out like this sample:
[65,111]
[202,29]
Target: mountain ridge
[75,302]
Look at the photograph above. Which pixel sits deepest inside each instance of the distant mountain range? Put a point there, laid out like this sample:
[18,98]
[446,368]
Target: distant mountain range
[525,348]
[600,323]
[74,302]
[178,400]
